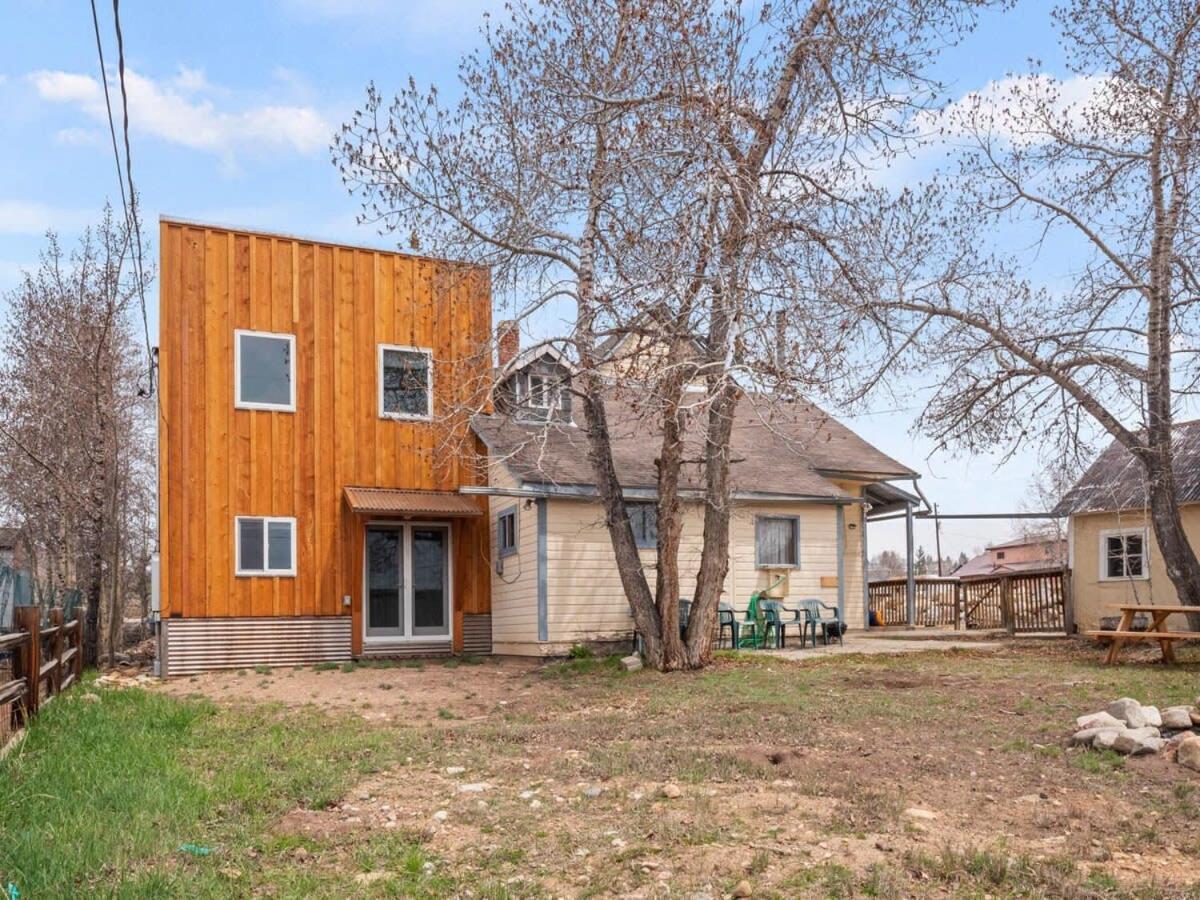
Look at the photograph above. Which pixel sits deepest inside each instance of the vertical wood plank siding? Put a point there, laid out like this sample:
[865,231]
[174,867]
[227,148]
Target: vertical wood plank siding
[217,462]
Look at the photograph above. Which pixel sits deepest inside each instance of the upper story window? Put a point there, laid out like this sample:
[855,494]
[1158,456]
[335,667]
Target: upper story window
[644,519]
[266,545]
[999,554]
[405,382]
[541,391]
[777,541]
[1123,554]
[264,370]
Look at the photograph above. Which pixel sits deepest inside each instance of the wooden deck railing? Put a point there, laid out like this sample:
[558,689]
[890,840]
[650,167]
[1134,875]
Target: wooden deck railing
[44,662]
[1020,602]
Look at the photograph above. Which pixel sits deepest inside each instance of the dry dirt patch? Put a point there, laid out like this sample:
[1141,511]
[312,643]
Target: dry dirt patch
[786,774]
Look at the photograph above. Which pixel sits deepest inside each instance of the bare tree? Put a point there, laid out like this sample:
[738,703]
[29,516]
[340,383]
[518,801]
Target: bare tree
[675,172]
[75,458]
[1112,347]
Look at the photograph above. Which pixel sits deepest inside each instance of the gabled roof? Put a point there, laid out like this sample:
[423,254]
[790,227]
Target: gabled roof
[1116,480]
[790,449]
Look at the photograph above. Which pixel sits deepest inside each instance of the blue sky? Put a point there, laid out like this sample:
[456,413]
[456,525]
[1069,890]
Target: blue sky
[233,106]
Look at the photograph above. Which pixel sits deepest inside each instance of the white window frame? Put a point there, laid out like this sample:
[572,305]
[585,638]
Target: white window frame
[238,402]
[1144,533]
[402,416]
[237,547]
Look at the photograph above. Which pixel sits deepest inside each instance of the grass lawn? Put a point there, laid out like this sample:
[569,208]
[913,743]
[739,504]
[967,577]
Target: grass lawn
[938,774]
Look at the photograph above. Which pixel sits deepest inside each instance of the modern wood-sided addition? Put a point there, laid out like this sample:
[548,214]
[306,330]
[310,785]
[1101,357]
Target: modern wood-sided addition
[308,509]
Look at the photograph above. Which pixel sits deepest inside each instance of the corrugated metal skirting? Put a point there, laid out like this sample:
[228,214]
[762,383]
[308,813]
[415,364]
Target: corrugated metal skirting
[402,649]
[477,635]
[198,645]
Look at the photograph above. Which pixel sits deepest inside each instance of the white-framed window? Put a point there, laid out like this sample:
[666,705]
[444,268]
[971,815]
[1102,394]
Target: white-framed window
[1124,554]
[537,390]
[264,370]
[777,542]
[405,382]
[265,545]
[644,519]
[506,531]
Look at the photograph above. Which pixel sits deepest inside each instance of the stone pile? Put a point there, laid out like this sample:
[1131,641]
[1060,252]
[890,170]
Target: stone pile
[1128,727]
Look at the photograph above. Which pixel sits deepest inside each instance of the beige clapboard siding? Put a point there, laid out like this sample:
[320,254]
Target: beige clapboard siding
[1093,597]
[514,594]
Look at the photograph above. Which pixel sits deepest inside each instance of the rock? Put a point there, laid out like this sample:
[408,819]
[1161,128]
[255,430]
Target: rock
[1195,716]
[1128,711]
[1189,753]
[671,791]
[1089,736]
[1177,718]
[915,812]
[1132,743]
[1098,720]
[441,815]
[743,889]
[455,770]
[1153,716]
[477,787]
[593,791]
[1106,737]
[631,663]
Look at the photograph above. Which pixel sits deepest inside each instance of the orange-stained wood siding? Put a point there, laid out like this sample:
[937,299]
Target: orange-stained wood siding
[217,462]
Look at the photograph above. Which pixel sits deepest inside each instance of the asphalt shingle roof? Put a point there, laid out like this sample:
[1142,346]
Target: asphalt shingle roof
[1116,480]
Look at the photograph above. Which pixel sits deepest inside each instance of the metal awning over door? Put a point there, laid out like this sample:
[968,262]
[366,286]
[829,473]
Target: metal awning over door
[395,502]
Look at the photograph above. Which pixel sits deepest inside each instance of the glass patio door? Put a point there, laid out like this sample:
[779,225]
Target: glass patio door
[407,581]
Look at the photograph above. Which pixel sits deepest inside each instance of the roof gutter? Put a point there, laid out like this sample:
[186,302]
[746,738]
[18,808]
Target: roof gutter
[590,492]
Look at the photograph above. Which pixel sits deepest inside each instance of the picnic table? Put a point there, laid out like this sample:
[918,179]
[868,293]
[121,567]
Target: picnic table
[1156,632]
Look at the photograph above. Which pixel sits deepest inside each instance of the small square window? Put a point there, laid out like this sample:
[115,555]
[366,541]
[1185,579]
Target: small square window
[1124,555]
[777,541]
[405,382]
[265,546]
[506,532]
[644,519]
[264,371]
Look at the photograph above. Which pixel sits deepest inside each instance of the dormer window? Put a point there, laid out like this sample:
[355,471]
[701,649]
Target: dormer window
[541,392]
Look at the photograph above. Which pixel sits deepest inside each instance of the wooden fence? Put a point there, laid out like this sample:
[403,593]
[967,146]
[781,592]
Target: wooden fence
[1024,602]
[44,661]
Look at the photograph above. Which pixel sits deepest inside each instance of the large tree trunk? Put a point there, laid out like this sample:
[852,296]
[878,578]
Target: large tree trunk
[670,518]
[1178,557]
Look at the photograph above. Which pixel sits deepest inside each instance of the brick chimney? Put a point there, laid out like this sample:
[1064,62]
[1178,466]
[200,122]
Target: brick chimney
[508,341]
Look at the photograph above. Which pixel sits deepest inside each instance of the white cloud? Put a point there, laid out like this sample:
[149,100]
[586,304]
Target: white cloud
[1002,107]
[79,137]
[20,217]
[181,110]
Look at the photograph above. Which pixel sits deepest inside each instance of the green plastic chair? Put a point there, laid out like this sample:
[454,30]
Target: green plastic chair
[814,613]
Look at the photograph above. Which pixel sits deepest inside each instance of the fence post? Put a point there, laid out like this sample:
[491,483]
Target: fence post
[56,650]
[29,619]
[77,659]
[958,605]
[1006,608]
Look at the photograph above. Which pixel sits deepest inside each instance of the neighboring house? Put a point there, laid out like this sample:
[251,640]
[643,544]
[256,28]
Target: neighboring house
[802,482]
[309,499]
[1021,555]
[1113,555]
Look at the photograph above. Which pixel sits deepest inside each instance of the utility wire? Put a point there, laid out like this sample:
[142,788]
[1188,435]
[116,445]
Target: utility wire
[125,174]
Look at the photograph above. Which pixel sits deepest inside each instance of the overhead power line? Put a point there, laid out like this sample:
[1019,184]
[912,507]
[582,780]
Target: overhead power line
[129,204]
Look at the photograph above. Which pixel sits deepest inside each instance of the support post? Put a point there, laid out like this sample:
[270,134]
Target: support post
[1068,601]
[910,587]
[29,620]
[1006,609]
[77,659]
[56,650]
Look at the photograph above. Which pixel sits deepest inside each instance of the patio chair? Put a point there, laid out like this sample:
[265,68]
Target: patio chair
[814,612]
[727,618]
[773,615]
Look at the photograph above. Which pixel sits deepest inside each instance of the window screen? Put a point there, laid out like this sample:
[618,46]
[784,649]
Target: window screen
[777,541]
[264,367]
[405,383]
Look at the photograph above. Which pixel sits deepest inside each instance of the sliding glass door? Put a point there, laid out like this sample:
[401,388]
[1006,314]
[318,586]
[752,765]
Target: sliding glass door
[407,581]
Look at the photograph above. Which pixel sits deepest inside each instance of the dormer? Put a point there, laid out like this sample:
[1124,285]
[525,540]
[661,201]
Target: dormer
[534,384]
